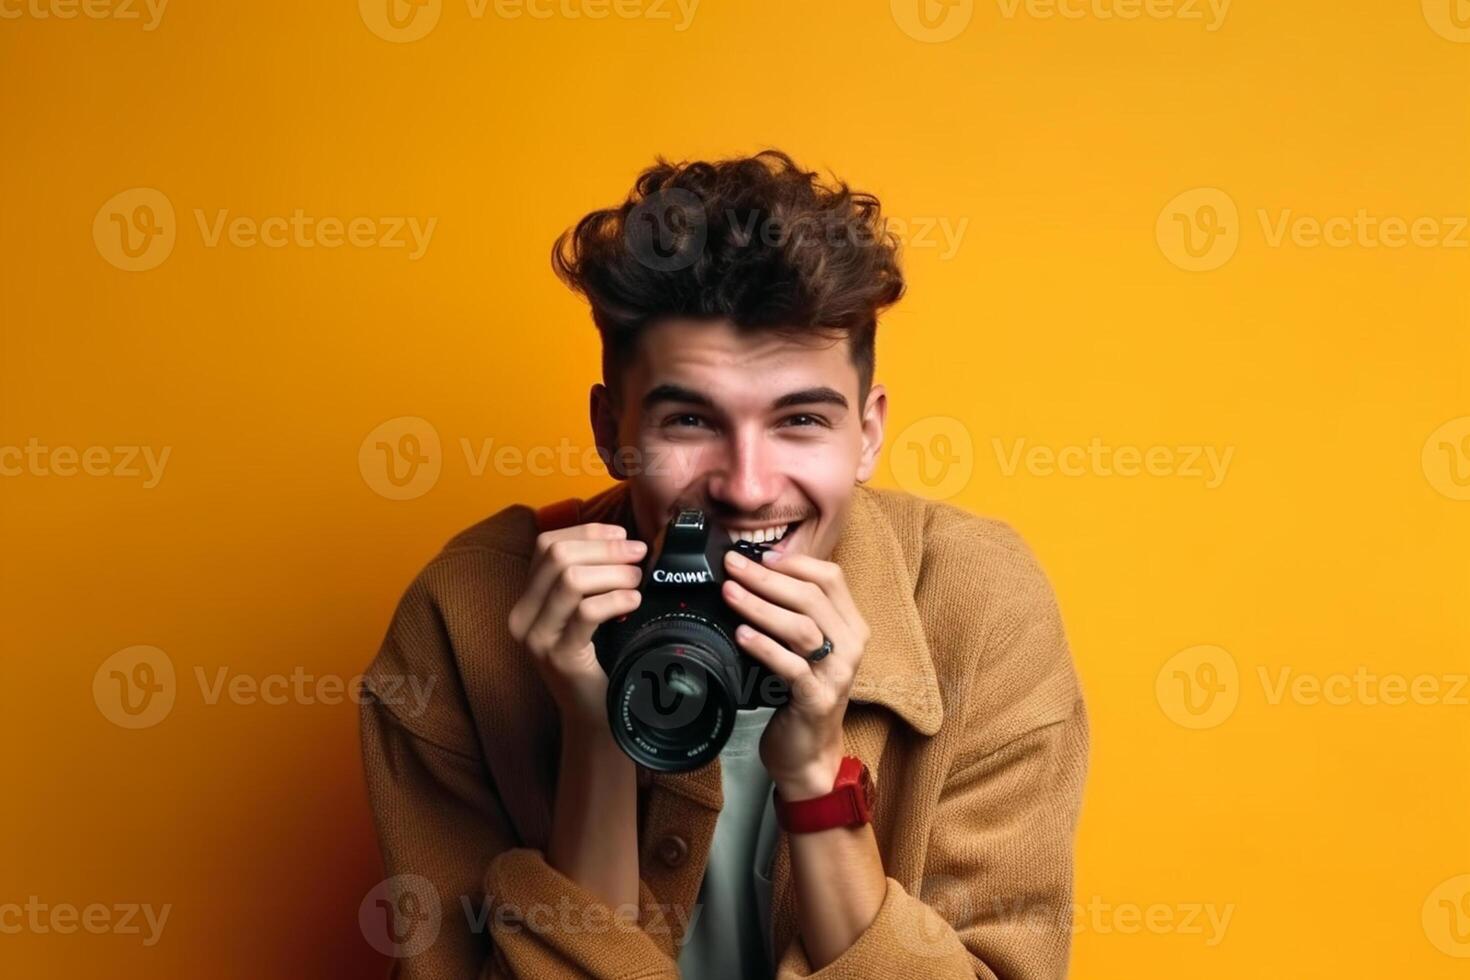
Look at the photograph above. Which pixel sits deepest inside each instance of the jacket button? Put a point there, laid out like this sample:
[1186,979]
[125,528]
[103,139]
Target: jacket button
[672,850]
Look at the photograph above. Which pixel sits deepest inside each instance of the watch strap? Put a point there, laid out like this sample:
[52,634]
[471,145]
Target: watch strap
[847,805]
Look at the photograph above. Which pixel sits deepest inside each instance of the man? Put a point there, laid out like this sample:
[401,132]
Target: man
[737,303]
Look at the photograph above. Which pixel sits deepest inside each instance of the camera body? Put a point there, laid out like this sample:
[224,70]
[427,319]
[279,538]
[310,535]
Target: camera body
[676,676]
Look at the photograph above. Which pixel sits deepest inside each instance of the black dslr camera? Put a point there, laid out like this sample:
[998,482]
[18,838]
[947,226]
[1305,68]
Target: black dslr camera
[675,674]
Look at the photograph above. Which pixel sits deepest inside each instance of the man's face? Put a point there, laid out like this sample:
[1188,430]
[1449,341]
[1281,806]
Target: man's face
[758,430]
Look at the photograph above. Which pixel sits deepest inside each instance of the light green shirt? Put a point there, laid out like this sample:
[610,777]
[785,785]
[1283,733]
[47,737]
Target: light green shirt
[731,938]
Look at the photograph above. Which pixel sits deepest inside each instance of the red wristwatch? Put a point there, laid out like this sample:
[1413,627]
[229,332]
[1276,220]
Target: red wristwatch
[848,805]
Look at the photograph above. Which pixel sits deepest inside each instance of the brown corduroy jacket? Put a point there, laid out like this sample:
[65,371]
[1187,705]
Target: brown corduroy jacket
[966,709]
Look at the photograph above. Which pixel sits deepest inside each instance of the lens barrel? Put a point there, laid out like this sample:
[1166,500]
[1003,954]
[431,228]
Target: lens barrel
[671,697]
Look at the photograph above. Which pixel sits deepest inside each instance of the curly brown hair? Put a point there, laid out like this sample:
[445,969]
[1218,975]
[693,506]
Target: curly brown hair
[755,240]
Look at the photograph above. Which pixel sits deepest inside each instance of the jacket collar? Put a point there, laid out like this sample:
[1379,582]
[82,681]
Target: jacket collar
[897,670]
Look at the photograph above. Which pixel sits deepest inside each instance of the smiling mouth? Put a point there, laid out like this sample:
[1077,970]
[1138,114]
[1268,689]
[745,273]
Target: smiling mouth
[777,536]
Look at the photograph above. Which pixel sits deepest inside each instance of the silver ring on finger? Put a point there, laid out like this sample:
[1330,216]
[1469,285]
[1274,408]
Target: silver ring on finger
[820,652]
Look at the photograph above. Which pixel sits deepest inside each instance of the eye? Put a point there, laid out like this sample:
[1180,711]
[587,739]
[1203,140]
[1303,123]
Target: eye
[686,420]
[805,420]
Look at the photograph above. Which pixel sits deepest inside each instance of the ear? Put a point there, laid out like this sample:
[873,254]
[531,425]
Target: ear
[875,415]
[604,416]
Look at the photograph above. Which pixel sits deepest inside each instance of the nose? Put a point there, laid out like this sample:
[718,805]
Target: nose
[745,480]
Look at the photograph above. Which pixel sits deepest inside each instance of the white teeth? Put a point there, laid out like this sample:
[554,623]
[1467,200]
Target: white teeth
[764,535]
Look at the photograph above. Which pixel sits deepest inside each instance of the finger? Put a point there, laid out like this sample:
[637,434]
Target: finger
[825,575]
[566,594]
[592,529]
[555,555]
[552,547]
[790,667]
[788,592]
[797,630]
[593,611]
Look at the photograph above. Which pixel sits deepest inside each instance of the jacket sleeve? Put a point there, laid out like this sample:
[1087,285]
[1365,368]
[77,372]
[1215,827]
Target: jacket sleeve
[995,900]
[461,898]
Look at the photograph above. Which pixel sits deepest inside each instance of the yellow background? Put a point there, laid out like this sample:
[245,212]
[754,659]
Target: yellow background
[1335,543]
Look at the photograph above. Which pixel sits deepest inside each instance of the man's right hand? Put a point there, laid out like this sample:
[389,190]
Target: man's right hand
[580,577]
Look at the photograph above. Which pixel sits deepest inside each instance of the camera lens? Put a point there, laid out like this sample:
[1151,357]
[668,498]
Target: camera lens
[670,698]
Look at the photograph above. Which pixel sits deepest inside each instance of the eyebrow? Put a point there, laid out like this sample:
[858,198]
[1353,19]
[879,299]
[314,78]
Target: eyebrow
[820,395]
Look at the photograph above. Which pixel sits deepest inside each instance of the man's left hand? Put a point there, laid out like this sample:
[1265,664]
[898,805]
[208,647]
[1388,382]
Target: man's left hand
[791,603]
